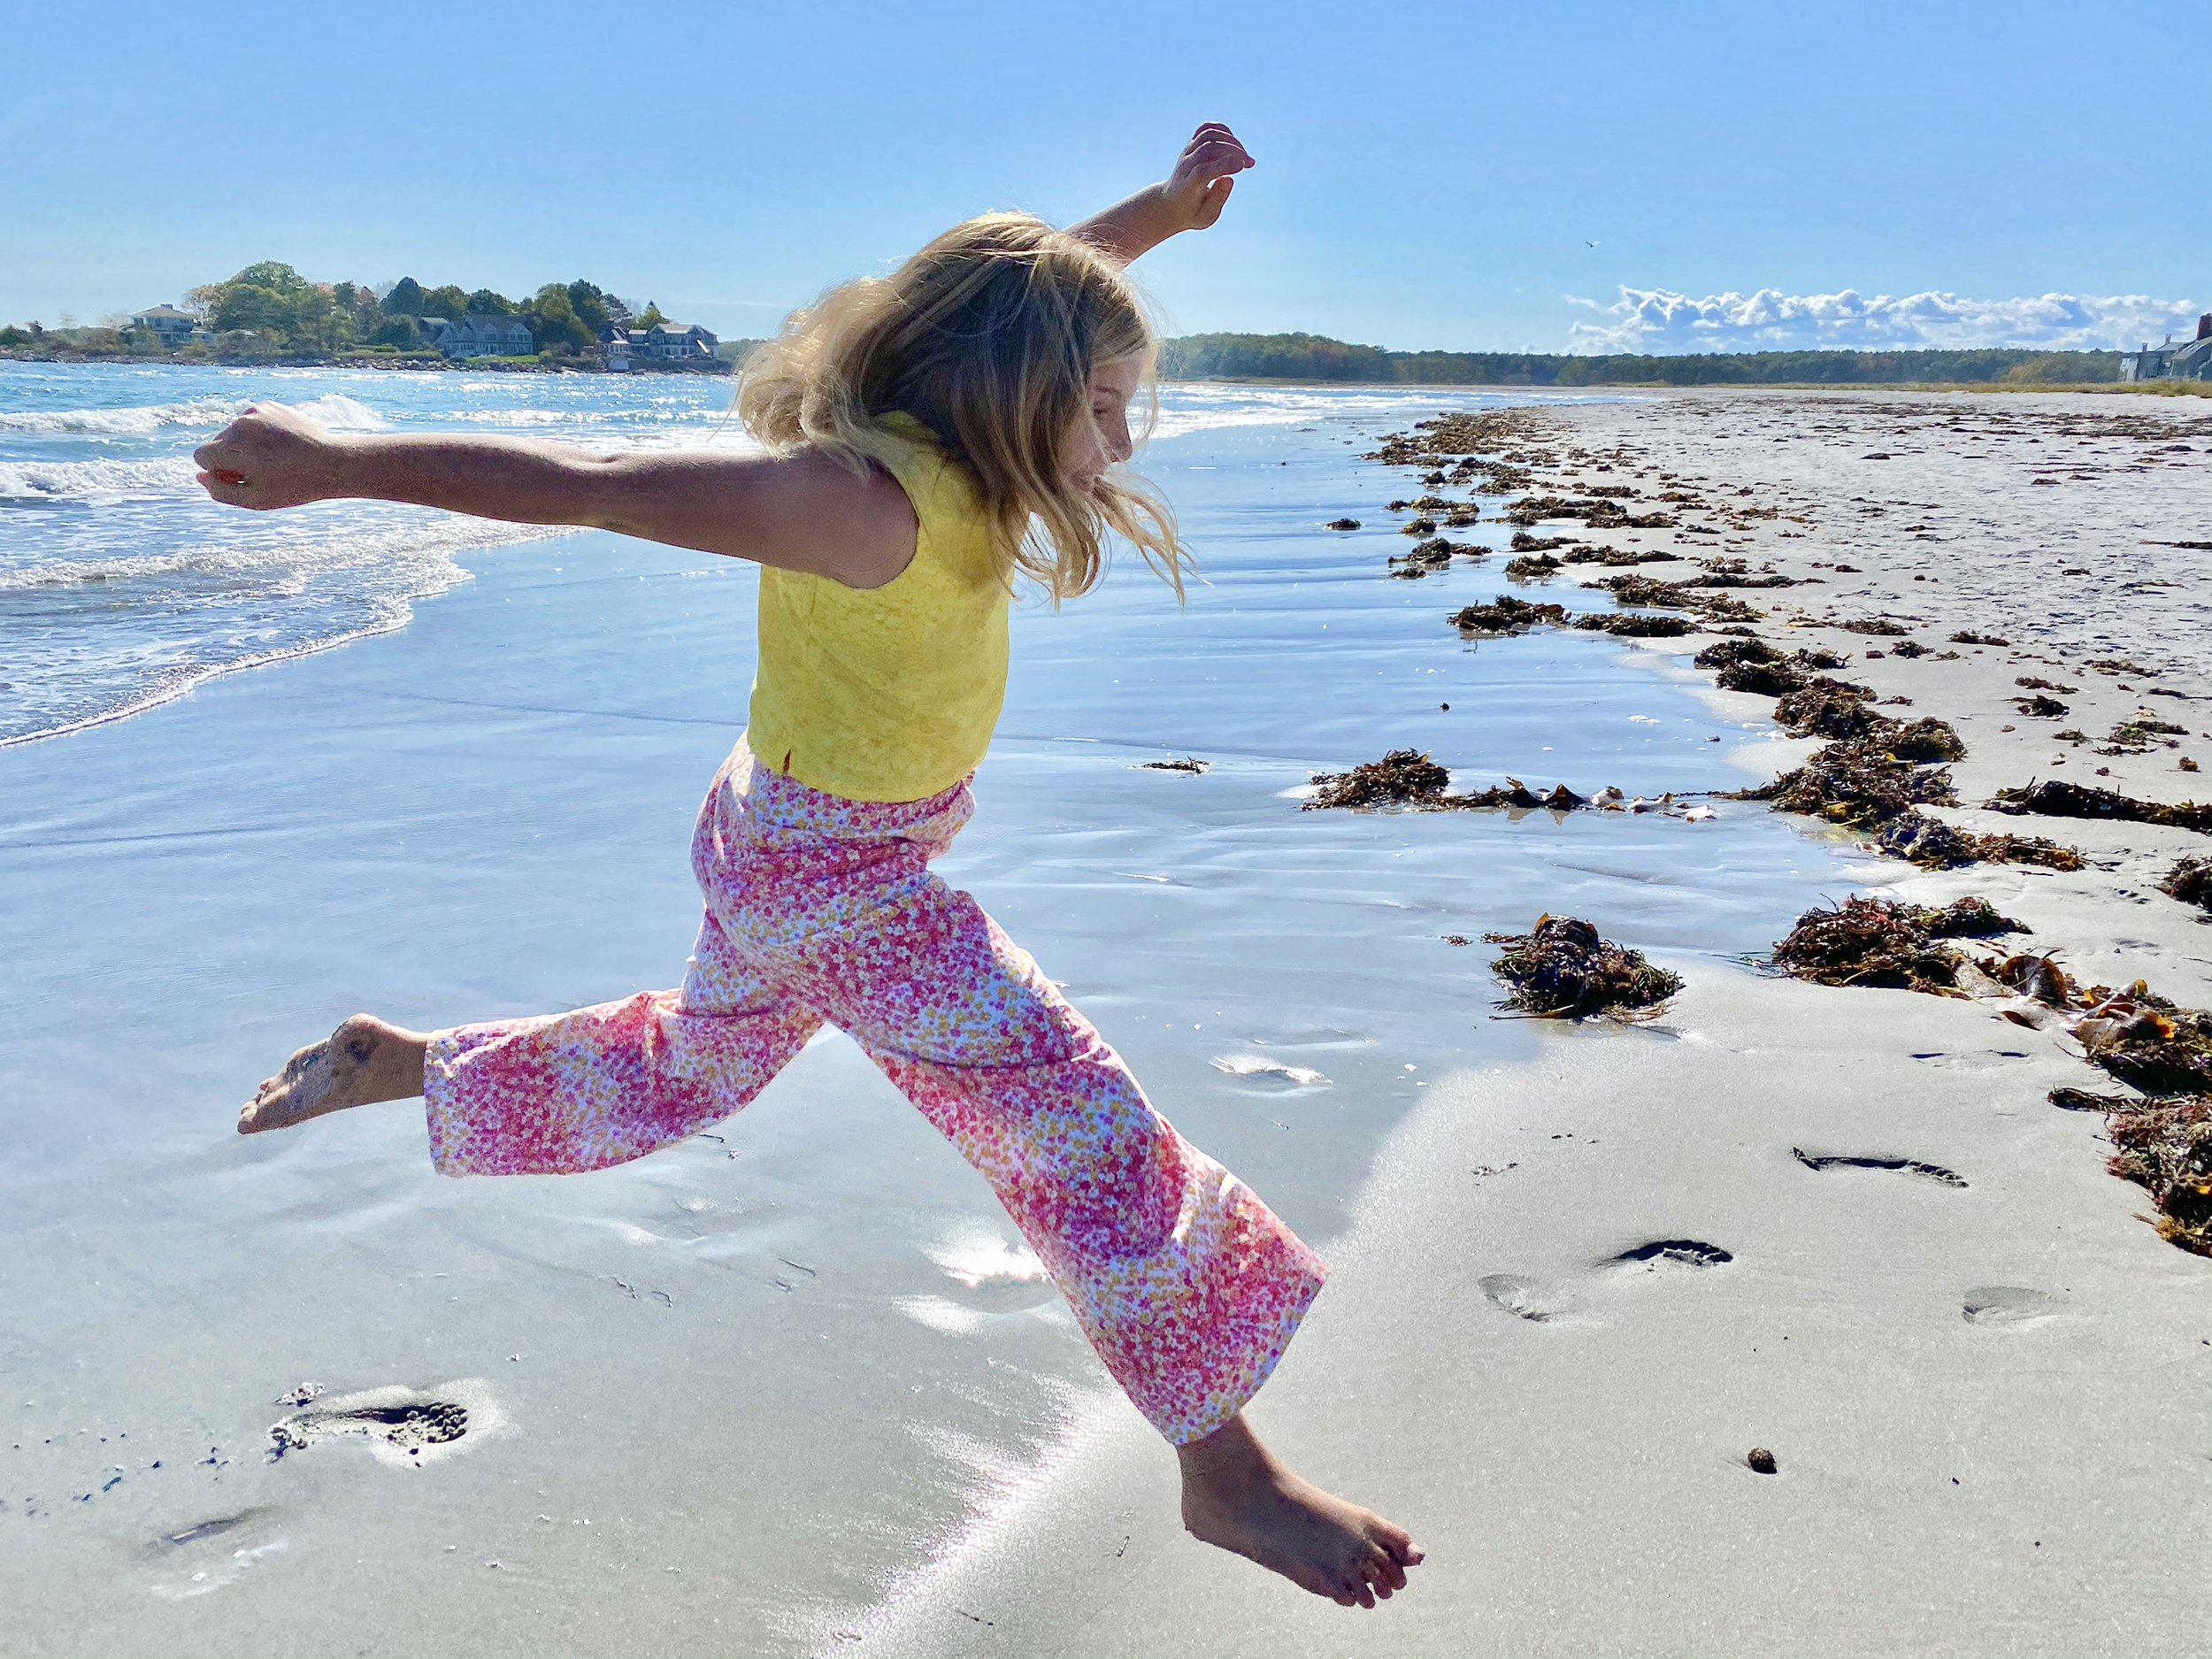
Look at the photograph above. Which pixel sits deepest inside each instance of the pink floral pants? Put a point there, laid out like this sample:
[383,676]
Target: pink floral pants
[823,910]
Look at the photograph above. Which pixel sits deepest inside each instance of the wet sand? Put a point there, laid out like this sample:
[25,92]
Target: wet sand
[1982,1377]
[798,1389]
[746,1384]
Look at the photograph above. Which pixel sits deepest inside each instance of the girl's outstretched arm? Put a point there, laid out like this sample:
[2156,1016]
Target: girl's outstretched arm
[1190,198]
[807,513]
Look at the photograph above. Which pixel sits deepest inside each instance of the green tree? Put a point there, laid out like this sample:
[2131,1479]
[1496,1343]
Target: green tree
[590,302]
[250,305]
[401,331]
[648,317]
[448,301]
[553,321]
[405,299]
[484,303]
[276,276]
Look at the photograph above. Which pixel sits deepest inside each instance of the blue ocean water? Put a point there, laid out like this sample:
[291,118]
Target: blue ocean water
[122,585]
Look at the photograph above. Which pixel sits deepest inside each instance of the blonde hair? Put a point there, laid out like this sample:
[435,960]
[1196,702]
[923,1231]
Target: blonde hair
[988,336]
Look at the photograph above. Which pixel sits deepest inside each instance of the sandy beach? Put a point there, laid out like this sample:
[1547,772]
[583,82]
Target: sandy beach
[798,1389]
[1982,1378]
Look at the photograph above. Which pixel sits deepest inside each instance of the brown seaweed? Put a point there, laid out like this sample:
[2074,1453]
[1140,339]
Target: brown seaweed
[2051,798]
[1934,845]
[2165,1147]
[2191,882]
[1403,776]
[1561,969]
[1506,615]
[1880,942]
[1860,785]
[1635,624]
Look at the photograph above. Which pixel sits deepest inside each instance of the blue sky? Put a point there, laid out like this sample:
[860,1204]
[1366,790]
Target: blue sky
[1430,175]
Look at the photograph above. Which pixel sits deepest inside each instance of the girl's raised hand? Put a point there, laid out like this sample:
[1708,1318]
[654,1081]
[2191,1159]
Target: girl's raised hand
[1205,174]
[269,456]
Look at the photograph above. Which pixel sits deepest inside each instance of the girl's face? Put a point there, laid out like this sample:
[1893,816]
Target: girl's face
[1103,440]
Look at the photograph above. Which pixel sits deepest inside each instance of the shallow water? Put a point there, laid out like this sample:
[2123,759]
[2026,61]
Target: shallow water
[775,1369]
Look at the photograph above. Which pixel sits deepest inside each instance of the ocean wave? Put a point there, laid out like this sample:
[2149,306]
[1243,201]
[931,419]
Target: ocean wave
[127,423]
[97,481]
[284,567]
[334,410]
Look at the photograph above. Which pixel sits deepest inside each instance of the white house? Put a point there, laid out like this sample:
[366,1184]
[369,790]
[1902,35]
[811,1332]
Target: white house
[170,326]
[673,341]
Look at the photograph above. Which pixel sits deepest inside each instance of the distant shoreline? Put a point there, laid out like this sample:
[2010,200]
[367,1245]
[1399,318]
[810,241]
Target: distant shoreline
[2155,389]
[723,367]
[366,360]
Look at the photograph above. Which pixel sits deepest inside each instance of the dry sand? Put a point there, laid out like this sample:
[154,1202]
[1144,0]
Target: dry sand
[1986,1382]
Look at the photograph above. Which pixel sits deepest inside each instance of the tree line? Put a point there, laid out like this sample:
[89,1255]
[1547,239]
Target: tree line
[1317,357]
[289,311]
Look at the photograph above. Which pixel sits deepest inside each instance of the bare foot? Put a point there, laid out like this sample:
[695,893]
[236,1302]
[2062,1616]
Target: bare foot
[363,1060]
[1236,1496]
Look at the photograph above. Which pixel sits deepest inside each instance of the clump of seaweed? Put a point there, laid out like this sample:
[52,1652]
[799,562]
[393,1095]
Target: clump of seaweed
[1524,542]
[1925,739]
[1433,554]
[1561,969]
[1341,523]
[2036,682]
[1823,707]
[1610,556]
[1881,628]
[1531,564]
[2054,799]
[1188,764]
[2191,882]
[2140,735]
[2040,707]
[2144,1039]
[1417,526]
[1859,785]
[1934,845]
[1685,595]
[1403,776]
[1752,664]
[2165,1147]
[1878,942]
[1506,615]
[1635,624]
[1971,638]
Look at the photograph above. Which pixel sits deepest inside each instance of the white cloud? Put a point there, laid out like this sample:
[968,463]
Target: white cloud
[1655,320]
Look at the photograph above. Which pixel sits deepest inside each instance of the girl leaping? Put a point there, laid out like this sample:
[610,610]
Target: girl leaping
[930,436]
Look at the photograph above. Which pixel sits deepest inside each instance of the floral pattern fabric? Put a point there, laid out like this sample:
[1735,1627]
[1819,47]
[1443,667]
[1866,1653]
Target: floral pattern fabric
[821,909]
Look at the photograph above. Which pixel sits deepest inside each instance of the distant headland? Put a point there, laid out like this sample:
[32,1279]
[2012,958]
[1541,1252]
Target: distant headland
[269,314]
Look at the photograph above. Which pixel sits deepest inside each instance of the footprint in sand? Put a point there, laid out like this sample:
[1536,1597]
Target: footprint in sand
[405,1428]
[1903,1166]
[2014,1306]
[1530,1299]
[1681,1252]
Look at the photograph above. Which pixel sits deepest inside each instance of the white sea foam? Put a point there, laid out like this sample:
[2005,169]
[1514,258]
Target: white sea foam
[96,480]
[334,410]
[198,411]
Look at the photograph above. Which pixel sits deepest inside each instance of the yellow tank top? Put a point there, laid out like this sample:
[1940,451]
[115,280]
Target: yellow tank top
[889,693]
